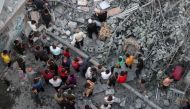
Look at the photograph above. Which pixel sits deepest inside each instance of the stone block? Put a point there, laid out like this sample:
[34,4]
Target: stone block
[60,45]
[80,20]
[86,9]
[74,1]
[104,5]
[72,25]
[82,2]
[166,103]
[64,37]
[68,33]
[114,11]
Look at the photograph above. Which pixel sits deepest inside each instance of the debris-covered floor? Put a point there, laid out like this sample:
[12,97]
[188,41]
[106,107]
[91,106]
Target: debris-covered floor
[158,29]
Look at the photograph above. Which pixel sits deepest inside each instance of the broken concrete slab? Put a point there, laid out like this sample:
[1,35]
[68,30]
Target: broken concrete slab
[104,5]
[86,9]
[114,11]
[127,11]
[72,24]
[82,2]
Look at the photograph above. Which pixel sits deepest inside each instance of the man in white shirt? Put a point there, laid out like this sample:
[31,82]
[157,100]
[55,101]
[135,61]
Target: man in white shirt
[90,72]
[78,39]
[55,82]
[105,76]
[105,106]
[56,51]
[32,25]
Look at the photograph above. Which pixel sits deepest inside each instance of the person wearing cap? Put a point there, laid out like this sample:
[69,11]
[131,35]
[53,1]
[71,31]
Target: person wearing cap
[92,28]
[78,39]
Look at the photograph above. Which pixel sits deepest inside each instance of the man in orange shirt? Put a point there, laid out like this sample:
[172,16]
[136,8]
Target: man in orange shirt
[129,60]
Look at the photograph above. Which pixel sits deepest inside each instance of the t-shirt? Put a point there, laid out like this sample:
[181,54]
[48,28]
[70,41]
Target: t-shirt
[122,79]
[55,83]
[66,54]
[105,76]
[47,76]
[56,51]
[75,65]
[129,60]
[33,27]
[6,58]
[88,73]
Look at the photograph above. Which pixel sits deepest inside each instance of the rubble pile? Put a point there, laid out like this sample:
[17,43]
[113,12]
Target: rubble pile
[158,26]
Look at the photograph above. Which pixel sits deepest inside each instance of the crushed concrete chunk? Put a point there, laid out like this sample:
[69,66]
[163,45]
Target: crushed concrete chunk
[82,2]
[114,11]
[72,25]
[104,5]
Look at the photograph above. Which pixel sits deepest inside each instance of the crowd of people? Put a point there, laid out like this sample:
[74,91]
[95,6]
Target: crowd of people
[63,77]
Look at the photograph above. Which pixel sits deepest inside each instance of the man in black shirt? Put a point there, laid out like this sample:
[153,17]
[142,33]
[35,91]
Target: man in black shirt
[92,28]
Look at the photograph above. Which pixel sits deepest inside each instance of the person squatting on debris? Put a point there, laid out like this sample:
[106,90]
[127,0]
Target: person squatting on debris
[5,55]
[100,15]
[78,39]
[92,28]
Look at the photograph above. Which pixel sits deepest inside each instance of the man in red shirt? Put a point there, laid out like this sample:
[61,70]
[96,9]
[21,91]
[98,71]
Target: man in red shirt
[47,75]
[76,64]
[66,53]
[122,78]
[63,73]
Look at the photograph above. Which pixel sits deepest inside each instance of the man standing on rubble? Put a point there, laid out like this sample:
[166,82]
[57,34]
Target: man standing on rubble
[46,16]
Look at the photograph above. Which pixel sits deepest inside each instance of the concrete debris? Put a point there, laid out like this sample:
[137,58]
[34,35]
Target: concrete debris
[104,5]
[166,103]
[82,2]
[72,25]
[86,9]
[114,11]
[127,11]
